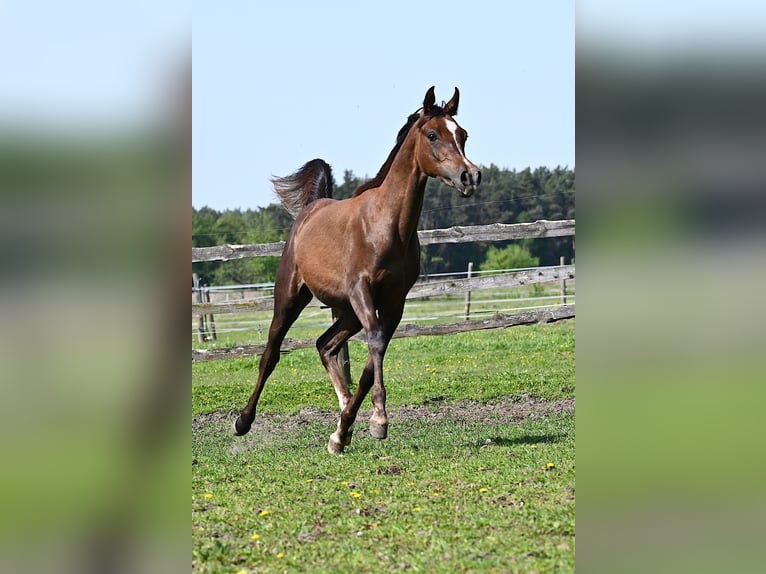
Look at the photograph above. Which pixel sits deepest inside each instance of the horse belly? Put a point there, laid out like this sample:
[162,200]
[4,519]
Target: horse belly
[394,282]
[326,276]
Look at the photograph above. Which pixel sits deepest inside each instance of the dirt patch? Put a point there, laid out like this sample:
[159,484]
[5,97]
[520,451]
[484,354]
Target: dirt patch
[509,409]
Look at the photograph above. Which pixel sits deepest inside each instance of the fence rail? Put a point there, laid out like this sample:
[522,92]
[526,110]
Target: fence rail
[419,290]
[410,330]
[457,234]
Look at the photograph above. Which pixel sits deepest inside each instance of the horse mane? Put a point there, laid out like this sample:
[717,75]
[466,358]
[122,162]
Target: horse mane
[311,182]
[377,181]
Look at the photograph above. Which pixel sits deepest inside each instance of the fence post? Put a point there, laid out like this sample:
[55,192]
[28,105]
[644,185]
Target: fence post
[342,358]
[468,293]
[563,283]
[200,317]
[210,318]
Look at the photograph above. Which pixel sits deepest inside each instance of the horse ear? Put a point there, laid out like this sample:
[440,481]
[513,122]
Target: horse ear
[429,100]
[451,107]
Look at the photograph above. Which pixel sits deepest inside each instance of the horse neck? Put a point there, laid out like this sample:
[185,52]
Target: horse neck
[401,193]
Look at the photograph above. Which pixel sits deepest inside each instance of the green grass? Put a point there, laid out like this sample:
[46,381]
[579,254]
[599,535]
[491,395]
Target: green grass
[442,494]
[536,360]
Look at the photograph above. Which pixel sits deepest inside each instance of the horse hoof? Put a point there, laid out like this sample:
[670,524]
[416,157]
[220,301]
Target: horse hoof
[239,427]
[333,446]
[378,431]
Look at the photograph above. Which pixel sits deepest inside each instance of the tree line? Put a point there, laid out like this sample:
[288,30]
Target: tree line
[505,196]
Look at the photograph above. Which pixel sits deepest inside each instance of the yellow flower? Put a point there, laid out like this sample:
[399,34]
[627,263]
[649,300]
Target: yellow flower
[208,495]
[355,494]
[416,509]
[310,480]
[242,572]
[435,494]
[483,490]
[550,465]
[255,536]
[344,483]
[280,555]
[264,512]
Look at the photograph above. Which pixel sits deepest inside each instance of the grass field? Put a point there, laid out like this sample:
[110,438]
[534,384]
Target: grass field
[477,475]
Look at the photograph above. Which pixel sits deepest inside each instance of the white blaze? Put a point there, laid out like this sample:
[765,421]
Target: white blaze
[452,127]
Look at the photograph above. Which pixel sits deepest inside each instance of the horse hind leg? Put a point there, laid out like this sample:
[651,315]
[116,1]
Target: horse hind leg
[286,311]
[341,437]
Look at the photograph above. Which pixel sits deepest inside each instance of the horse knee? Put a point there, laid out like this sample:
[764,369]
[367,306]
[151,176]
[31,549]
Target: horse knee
[377,343]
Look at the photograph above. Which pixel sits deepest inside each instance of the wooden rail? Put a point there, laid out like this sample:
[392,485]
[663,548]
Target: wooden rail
[424,289]
[409,330]
[457,234]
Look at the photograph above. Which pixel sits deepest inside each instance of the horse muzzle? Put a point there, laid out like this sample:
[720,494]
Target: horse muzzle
[469,181]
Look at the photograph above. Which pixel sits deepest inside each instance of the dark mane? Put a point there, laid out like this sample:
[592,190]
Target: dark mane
[400,137]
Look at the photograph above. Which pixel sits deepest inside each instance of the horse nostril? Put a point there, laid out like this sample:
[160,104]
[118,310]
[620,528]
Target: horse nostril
[464,178]
[478,177]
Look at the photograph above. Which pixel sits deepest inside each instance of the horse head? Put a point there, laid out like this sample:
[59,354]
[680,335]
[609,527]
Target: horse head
[440,148]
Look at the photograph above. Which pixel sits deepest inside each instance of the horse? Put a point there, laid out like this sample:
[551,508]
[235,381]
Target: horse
[361,255]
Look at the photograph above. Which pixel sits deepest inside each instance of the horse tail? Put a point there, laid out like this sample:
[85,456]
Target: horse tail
[311,182]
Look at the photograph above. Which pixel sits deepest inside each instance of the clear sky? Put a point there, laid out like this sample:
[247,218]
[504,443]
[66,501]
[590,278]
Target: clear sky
[278,83]
[78,63]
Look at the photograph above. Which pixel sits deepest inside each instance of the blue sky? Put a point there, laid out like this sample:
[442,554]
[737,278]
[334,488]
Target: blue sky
[80,63]
[279,83]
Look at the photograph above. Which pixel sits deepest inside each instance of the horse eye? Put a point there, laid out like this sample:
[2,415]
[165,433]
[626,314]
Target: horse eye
[431,136]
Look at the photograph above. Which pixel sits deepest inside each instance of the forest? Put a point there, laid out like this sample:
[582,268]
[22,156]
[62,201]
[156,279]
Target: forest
[505,196]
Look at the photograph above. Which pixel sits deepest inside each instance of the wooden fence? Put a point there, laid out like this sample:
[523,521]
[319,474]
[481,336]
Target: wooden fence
[457,234]
[426,288]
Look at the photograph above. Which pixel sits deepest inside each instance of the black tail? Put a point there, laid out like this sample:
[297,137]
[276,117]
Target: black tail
[311,182]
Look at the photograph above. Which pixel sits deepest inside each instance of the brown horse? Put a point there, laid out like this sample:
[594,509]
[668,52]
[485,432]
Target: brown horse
[361,255]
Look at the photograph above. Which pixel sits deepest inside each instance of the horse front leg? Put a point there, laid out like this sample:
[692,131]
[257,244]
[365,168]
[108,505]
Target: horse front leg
[379,418]
[389,321]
